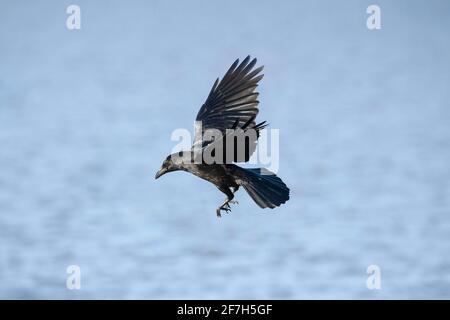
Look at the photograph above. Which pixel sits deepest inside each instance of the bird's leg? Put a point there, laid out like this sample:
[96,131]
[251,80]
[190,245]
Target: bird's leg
[234,191]
[229,199]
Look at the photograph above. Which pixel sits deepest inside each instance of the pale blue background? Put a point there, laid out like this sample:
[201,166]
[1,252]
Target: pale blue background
[86,118]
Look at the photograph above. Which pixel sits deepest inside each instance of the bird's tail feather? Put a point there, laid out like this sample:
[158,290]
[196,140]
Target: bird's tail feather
[265,188]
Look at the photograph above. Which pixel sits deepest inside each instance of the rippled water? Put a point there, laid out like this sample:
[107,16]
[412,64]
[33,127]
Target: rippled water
[86,118]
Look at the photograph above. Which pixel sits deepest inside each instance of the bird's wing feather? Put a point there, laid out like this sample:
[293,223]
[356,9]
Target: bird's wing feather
[232,101]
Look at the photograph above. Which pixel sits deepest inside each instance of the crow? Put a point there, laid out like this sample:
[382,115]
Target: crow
[228,114]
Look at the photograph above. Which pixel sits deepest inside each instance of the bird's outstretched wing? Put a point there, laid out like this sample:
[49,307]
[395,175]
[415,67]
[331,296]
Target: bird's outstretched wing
[232,104]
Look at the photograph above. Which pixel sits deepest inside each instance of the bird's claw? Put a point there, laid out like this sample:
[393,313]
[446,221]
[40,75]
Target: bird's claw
[225,207]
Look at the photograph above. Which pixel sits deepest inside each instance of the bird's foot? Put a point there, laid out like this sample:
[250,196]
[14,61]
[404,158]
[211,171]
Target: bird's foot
[225,207]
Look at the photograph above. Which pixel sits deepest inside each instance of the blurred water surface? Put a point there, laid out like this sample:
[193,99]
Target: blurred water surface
[86,118]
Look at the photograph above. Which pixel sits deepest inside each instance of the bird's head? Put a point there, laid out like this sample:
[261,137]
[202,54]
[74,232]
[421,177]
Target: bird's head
[171,163]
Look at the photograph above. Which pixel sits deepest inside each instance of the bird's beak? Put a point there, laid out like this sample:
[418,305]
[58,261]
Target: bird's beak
[160,172]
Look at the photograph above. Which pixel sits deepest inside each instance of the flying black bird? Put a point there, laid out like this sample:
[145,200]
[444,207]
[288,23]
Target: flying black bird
[228,114]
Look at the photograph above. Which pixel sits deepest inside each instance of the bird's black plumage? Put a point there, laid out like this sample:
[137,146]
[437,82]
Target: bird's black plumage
[228,115]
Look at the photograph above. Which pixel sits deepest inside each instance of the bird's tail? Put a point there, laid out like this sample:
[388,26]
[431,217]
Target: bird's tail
[265,188]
